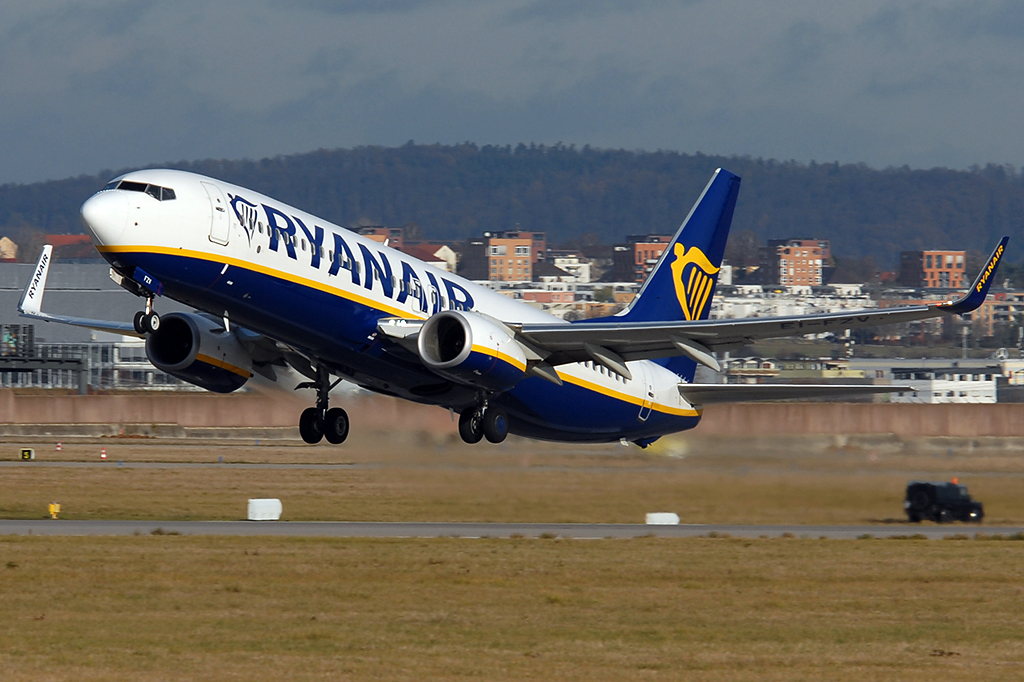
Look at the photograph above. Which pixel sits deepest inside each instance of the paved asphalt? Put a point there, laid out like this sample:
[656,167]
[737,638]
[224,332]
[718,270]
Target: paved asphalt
[345,529]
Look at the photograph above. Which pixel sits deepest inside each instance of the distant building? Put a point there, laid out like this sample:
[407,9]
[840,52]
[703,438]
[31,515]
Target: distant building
[393,236]
[503,256]
[510,258]
[796,261]
[932,269]
[474,264]
[76,248]
[8,250]
[634,260]
[546,271]
[573,264]
[439,255]
[949,385]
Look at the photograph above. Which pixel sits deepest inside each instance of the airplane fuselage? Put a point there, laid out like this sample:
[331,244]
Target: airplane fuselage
[322,289]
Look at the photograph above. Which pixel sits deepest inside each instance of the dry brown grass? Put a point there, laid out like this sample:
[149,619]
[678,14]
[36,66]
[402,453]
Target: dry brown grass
[413,477]
[192,608]
[184,608]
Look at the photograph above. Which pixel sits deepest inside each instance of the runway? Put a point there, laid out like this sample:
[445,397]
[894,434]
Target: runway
[578,531]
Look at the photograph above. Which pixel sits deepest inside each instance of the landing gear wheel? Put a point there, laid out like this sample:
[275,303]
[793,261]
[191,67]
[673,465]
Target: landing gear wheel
[470,427]
[335,426]
[311,425]
[150,322]
[138,322]
[495,424]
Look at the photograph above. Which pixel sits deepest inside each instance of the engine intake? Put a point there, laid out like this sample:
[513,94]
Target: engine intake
[198,350]
[471,349]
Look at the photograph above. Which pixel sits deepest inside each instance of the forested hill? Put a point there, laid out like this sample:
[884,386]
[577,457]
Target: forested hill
[452,192]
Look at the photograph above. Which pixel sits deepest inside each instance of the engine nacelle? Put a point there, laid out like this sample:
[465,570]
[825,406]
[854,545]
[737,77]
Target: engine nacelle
[470,349]
[196,349]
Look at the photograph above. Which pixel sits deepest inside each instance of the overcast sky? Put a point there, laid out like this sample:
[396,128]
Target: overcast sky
[87,86]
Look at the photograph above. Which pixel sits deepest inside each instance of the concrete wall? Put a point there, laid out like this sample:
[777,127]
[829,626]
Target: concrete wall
[198,410]
[382,413]
[903,420]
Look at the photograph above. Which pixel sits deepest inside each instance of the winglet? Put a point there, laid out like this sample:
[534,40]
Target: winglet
[976,295]
[32,299]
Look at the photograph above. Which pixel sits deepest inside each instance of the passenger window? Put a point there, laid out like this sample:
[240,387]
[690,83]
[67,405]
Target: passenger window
[303,244]
[259,226]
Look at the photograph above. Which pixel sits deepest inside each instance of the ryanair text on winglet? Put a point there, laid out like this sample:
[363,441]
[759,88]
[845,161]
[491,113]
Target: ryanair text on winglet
[36,278]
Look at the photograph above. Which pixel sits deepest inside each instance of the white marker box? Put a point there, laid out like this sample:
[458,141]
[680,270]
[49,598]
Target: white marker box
[663,519]
[265,509]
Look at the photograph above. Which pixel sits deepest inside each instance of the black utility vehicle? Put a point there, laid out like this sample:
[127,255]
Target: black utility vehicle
[941,502]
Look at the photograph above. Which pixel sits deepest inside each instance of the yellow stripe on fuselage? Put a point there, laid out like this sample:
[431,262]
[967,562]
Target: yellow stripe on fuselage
[271,272]
[626,397]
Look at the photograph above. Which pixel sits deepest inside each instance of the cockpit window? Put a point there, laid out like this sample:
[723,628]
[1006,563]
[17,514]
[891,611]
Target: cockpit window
[157,192]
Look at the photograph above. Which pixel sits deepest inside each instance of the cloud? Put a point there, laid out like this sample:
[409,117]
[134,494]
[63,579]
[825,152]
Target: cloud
[887,82]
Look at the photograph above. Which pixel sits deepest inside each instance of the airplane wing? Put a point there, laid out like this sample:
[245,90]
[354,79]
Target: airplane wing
[32,300]
[613,342]
[266,352]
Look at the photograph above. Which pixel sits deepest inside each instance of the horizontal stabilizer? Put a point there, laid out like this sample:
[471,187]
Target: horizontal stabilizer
[707,394]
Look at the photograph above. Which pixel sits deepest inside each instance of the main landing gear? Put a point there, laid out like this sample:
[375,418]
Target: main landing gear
[483,421]
[147,321]
[320,422]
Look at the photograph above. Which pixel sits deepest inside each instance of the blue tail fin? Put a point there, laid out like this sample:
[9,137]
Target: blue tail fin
[683,281]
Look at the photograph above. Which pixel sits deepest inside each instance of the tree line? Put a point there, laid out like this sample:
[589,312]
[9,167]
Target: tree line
[590,195]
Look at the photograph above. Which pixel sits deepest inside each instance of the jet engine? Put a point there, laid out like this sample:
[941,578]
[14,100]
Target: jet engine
[471,349]
[198,349]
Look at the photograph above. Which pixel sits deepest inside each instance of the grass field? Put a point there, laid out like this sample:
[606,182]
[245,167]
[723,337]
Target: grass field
[181,608]
[416,478]
[193,608]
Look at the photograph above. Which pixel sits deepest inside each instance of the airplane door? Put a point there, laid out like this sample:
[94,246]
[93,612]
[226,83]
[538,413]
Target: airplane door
[220,226]
[647,399]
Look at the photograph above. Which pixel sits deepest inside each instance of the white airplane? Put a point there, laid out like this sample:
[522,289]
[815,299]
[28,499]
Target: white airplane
[274,286]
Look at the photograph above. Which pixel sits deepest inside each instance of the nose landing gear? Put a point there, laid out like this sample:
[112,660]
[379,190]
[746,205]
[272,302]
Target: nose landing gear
[483,421]
[147,321]
[317,423]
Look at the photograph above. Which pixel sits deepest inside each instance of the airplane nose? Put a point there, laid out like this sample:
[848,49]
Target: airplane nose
[105,216]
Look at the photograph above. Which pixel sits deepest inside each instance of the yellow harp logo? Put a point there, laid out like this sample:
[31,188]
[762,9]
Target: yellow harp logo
[692,274]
